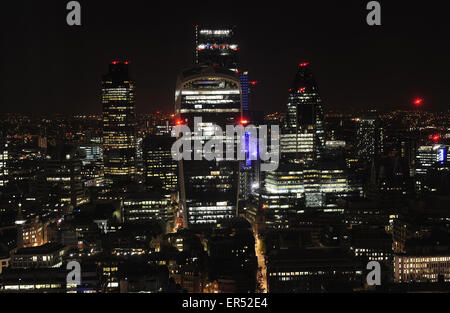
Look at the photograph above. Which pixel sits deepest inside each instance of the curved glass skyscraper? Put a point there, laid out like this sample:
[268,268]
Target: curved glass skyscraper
[303,138]
[208,189]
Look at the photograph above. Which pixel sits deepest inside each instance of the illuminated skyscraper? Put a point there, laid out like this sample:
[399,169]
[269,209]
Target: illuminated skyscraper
[245,86]
[216,46]
[119,124]
[160,170]
[60,180]
[369,138]
[3,162]
[208,189]
[303,138]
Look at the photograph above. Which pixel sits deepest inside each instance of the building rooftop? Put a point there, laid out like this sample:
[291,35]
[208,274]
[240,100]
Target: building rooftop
[44,249]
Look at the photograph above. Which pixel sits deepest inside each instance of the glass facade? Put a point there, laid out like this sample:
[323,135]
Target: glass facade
[209,189]
[159,167]
[119,124]
[216,47]
[303,139]
[369,138]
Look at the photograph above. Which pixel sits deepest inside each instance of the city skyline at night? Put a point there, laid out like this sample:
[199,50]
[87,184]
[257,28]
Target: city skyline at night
[232,157]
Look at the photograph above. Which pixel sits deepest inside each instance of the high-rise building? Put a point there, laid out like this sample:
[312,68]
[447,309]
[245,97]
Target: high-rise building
[160,169]
[245,86]
[292,188]
[303,138]
[141,207]
[250,168]
[216,46]
[429,156]
[369,138]
[119,124]
[3,162]
[91,155]
[60,180]
[208,189]
[430,167]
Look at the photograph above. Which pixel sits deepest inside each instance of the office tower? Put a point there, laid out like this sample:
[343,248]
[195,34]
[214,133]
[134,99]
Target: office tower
[216,46]
[250,168]
[90,153]
[208,189]
[423,259]
[146,206]
[303,138]
[429,156]
[312,270]
[432,163]
[60,180]
[292,188]
[369,138]
[160,169]
[427,267]
[119,125]
[3,161]
[245,86]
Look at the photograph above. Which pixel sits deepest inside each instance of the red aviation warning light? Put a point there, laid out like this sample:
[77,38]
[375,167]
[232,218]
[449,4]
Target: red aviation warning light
[303,64]
[418,102]
[254,83]
[302,89]
[243,121]
[435,138]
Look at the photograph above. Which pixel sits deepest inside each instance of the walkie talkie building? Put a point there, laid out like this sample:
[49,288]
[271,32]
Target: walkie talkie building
[208,189]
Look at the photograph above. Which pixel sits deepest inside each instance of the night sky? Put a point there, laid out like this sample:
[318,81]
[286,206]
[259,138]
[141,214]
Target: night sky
[48,66]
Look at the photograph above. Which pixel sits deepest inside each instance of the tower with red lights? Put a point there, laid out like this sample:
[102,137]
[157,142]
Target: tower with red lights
[208,189]
[216,46]
[119,125]
[303,137]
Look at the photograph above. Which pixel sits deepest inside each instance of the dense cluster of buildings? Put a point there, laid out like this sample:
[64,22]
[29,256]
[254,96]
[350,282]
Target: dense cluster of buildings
[105,191]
